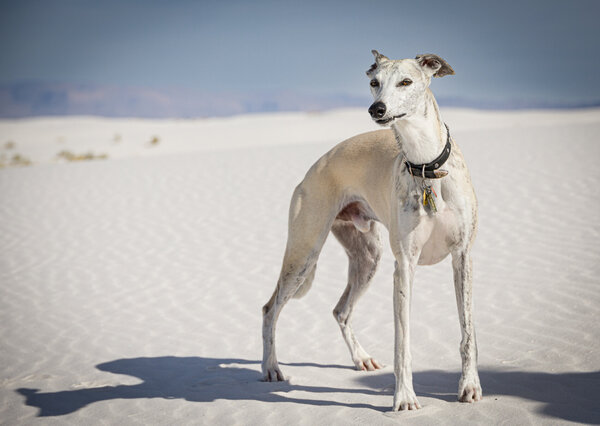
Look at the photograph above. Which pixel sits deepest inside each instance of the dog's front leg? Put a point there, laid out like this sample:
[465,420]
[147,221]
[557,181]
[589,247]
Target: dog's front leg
[469,388]
[404,396]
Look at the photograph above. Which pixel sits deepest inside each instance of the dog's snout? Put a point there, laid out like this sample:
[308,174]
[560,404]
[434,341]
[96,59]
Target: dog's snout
[377,110]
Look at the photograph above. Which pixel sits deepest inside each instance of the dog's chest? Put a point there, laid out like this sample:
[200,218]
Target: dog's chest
[439,234]
[434,233]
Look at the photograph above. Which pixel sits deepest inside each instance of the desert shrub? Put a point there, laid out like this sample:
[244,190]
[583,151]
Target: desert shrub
[154,141]
[88,156]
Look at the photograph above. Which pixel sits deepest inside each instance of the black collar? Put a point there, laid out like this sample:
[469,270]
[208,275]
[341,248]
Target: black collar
[429,170]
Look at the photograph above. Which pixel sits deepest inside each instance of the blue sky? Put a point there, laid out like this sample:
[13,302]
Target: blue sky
[538,49]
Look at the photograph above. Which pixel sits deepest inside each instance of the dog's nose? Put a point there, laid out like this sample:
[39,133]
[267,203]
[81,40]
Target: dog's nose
[377,110]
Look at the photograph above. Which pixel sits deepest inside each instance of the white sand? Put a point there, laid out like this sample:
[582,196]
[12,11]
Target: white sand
[131,290]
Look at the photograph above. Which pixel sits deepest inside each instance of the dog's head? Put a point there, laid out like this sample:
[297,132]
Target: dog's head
[399,86]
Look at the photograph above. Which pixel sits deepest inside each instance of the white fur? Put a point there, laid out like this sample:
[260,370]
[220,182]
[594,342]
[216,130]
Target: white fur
[362,182]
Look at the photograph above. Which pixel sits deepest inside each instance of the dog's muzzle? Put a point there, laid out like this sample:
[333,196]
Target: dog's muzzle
[378,110]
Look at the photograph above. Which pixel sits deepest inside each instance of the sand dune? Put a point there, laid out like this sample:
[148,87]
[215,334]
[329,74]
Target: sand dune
[131,290]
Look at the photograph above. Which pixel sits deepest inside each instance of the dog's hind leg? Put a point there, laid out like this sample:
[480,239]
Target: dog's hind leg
[364,251]
[308,228]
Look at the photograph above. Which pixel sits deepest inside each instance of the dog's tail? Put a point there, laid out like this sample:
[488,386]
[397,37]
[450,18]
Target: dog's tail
[305,286]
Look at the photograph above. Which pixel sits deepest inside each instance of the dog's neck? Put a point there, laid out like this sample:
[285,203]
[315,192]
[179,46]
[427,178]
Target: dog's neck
[422,135]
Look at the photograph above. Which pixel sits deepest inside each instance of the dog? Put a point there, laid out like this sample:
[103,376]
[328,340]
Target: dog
[394,178]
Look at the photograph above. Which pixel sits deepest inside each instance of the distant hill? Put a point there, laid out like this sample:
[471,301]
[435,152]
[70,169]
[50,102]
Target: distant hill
[37,99]
[29,99]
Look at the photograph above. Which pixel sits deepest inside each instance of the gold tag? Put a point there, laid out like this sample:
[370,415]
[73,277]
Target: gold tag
[428,199]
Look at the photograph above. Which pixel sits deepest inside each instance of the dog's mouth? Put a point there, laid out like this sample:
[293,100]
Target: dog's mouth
[388,120]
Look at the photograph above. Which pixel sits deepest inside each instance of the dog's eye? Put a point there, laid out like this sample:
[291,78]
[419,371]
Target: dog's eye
[374,83]
[405,82]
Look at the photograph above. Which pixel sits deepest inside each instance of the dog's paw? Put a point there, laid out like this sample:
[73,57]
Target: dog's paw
[405,399]
[273,374]
[367,364]
[469,390]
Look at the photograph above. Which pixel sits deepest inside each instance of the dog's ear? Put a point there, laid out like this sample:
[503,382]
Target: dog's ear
[379,59]
[433,65]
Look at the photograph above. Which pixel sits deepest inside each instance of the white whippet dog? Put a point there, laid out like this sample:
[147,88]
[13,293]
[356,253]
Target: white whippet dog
[388,177]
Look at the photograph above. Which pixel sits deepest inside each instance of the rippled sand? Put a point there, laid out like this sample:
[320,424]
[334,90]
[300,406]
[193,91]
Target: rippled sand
[131,288]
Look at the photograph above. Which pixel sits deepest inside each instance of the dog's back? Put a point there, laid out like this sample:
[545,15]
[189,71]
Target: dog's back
[363,159]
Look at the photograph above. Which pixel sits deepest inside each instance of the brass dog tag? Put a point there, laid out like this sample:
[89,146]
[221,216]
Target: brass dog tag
[428,199]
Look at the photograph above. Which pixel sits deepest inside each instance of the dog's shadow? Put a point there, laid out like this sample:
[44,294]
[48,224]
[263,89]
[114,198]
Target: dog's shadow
[566,396]
[190,378]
